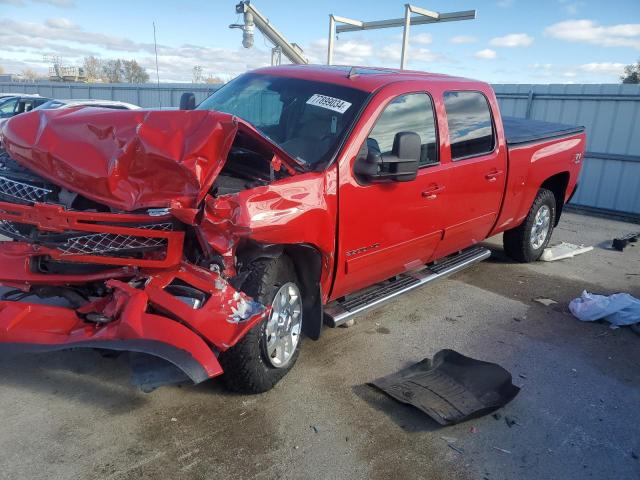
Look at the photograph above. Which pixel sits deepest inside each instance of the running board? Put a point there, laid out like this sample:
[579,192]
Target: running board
[339,311]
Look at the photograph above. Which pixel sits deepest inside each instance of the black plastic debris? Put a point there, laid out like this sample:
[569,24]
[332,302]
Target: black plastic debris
[621,243]
[149,372]
[451,388]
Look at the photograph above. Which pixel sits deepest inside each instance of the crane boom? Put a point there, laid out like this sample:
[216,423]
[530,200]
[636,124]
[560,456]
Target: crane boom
[253,18]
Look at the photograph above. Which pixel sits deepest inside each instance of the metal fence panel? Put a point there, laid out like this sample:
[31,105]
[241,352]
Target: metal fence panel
[611,114]
[145,95]
[610,176]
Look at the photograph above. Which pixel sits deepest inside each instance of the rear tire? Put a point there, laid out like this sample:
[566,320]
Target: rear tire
[248,367]
[527,242]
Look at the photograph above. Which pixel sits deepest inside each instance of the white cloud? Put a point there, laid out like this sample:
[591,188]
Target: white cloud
[57,30]
[605,67]
[421,39]
[58,3]
[391,54]
[461,39]
[588,31]
[512,40]
[586,73]
[571,7]
[504,3]
[55,3]
[24,44]
[486,54]
[350,52]
[63,23]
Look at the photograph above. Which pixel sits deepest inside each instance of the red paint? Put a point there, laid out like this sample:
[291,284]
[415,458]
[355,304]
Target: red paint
[364,233]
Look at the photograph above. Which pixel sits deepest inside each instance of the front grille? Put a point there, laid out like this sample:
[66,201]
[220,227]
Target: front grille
[10,229]
[103,243]
[22,191]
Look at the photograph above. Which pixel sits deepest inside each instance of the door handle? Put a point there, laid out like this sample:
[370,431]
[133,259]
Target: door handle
[432,192]
[493,175]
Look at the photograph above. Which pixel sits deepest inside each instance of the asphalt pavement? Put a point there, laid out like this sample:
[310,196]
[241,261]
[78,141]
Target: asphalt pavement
[76,415]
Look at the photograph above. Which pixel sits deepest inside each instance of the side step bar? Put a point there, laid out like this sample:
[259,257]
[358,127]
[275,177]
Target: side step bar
[339,311]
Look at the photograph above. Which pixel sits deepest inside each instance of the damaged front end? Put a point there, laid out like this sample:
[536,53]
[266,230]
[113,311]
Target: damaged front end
[106,211]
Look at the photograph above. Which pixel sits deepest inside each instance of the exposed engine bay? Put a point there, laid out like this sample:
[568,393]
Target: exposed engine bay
[247,166]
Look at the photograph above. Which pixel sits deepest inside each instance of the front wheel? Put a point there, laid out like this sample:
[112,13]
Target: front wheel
[270,349]
[526,242]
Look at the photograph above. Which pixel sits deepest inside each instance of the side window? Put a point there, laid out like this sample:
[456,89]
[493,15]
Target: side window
[407,113]
[7,107]
[470,126]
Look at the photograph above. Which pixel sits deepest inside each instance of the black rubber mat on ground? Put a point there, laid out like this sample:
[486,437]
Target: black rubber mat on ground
[451,388]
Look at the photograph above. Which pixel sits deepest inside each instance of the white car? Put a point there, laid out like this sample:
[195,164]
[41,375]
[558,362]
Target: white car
[9,94]
[12,105]
[73,102]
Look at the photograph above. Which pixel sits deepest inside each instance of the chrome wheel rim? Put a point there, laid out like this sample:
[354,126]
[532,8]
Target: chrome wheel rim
[540,227]
[282,330]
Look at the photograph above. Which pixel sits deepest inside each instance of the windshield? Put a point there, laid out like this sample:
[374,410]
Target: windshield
[7,107]
[307,119]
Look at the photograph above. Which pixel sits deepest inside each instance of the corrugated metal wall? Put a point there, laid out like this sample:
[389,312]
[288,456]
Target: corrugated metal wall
[610,176]
[145,95]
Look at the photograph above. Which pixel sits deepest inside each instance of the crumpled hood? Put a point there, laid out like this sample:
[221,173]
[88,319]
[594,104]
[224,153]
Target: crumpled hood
[127,160]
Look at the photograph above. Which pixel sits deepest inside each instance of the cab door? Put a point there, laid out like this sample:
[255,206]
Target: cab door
[478,168]
[387,228]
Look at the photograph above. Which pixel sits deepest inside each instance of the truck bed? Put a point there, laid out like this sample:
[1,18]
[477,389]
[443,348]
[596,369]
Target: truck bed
[519,131]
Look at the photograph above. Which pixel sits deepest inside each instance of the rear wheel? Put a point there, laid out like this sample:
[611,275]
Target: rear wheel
[527,242]
[269,350]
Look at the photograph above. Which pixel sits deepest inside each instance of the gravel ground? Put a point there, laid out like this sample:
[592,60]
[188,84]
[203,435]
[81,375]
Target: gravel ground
[75,415]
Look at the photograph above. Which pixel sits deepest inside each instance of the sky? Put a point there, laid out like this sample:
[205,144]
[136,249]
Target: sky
[510,41]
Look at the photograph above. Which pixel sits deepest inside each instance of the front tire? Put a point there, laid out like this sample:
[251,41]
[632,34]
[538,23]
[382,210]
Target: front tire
[270,349]
[526,242]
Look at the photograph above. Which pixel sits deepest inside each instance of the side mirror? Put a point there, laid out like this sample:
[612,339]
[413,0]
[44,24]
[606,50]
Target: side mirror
[187,101]
[400,166]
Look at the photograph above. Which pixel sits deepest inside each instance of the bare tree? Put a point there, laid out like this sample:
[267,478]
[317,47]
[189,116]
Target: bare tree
[112,71]
[213,80]
[133,72]
[92,68]
[631,73]
[29,74]
[197,74]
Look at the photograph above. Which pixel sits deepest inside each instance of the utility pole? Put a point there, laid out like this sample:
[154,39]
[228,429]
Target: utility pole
[422,17]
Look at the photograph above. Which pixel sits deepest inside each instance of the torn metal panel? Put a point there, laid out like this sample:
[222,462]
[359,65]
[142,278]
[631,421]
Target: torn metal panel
[125,318]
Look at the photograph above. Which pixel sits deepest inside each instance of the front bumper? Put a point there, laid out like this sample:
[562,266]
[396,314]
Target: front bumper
[143,315]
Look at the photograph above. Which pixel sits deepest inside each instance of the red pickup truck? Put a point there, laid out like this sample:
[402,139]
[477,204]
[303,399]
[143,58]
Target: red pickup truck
[293,196]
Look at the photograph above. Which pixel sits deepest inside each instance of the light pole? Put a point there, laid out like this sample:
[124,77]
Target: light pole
[422,17]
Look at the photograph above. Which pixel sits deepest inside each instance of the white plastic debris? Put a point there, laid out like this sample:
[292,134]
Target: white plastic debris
[618,309]
[562,251]
[545,301]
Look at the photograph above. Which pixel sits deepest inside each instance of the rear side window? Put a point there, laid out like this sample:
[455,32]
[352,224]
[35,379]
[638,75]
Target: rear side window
[470,125]
[407,113]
